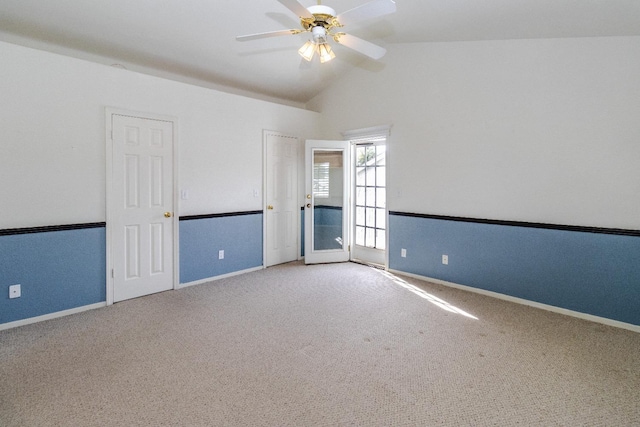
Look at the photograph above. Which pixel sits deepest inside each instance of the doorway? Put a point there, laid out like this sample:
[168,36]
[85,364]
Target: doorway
[346,198]
[370,202]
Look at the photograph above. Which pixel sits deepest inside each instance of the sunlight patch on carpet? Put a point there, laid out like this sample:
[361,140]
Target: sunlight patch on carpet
[439,302]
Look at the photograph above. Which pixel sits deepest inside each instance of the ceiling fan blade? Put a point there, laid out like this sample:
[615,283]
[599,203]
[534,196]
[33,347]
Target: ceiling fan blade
[266,35]
[295,7]
[362,46]
[373,9]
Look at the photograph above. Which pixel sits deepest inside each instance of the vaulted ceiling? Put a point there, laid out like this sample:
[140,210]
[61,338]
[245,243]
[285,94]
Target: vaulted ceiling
[194,40]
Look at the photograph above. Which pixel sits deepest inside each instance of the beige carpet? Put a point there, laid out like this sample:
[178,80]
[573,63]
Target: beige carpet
[325,345]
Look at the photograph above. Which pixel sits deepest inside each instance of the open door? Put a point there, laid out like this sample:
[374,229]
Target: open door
[327,165]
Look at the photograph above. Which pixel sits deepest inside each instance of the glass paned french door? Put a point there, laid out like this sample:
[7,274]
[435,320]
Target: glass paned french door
[327,209]
[370,202]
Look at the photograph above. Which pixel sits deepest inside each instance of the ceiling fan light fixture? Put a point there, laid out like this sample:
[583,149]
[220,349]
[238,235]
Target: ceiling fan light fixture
[325,52]
[322,22]
[308,50]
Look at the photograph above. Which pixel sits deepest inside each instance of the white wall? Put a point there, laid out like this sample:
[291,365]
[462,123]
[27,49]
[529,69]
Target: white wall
[528,130]
[52,140]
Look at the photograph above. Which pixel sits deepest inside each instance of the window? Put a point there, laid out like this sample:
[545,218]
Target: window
[321,180]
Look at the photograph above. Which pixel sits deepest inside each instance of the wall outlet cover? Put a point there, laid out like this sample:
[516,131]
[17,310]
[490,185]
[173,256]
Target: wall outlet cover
[15,291]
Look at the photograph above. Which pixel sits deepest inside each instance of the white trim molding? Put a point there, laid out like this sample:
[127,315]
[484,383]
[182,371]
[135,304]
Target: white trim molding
[367,133]
[222,276]
[50,316]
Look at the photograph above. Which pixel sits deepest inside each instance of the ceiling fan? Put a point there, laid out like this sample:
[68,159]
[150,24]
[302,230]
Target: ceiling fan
[323,23]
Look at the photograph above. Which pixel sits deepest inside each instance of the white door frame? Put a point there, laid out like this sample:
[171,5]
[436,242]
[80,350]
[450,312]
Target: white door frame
[265,180]
[355,136]
[109,112]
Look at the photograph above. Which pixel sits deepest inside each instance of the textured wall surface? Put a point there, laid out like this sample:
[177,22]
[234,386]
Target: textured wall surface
[592,273]
[58,270]
[240,236]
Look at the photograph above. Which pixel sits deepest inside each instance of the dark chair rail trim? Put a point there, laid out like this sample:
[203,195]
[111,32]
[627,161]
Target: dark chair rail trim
[49,228]
[218,215]
[598,230]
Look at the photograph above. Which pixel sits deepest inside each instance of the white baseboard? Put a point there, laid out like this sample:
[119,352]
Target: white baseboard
[222,276]
[50,316]
[579,315]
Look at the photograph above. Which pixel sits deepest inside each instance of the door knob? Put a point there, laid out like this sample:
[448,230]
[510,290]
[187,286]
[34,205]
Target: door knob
[167,214]
[308,205]
[270,207]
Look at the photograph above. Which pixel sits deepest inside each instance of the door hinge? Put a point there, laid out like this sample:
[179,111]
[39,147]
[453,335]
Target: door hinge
[112,275]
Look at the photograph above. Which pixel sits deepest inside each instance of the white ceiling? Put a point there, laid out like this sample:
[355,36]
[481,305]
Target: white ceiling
[194,40]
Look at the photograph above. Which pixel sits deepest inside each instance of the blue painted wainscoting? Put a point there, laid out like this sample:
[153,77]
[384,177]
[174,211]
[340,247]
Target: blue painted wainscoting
[239,234]
[59,268]
[595,271]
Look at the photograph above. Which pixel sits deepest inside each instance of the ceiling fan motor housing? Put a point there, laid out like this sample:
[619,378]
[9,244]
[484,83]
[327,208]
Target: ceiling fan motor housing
[324,17]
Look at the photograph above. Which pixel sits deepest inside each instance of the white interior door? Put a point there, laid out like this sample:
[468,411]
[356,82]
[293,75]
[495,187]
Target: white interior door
[327,201]
[141,219]
[281,192]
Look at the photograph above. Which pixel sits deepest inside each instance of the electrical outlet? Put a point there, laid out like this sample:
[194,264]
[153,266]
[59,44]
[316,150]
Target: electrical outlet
[221,254]
[403,253]
[15,291]
[445,259]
